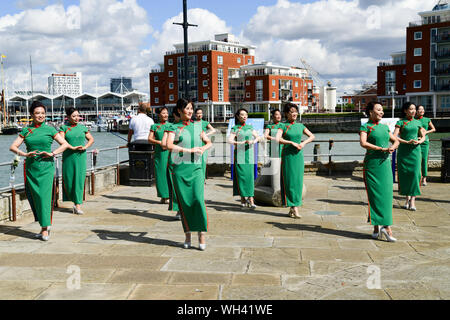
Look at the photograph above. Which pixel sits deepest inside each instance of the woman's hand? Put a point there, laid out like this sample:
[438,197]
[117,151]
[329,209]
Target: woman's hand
[301,146]
[46,154]
[30,154]
[197,150]
[80,148]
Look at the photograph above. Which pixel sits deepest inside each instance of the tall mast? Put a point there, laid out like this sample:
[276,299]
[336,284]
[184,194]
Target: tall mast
[5,113]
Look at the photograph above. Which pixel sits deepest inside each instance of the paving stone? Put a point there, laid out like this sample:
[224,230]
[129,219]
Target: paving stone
[240,241]
[351,293]
[293,242]
[54,274]
[119,262]
[200,278]
[256,280]
[20,247]
[94,291]
[210,253]
[340,255]
[175,292]
[134,250]
[261,293]
[270,254]
[35,260]
[279,267]
[203,265]
[139,276]
[22,290]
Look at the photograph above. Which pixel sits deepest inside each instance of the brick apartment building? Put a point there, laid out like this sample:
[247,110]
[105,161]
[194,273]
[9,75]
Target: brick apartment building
[421,74]
[223,76]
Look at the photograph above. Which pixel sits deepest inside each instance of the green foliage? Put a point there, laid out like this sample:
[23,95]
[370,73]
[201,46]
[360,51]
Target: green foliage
[259,115]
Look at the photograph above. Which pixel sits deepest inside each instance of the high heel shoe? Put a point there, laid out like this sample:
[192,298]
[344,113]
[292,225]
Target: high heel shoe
[386,234]
[202,246]
[251,205]
[295,215]
[375,235]
[187,244]
[76,211]
[406,206]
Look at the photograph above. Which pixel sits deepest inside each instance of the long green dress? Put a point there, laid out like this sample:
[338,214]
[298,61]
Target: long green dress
[40,172]
[173,203]
[275,148]
[205,125]
[292,166]
[161,161]
[409,158]
[378,175]
[74,164]
[425,146]
[188,178]
[244,162]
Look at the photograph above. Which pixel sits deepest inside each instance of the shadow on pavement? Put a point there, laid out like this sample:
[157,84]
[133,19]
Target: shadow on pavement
[138,237]
[133,199]
[225,206]
[16,231]
[344,202]
[319,229]
[143,213]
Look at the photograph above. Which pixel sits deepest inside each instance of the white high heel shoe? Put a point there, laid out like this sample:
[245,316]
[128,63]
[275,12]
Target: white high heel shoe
[386,234]
[76,211]
[202,246]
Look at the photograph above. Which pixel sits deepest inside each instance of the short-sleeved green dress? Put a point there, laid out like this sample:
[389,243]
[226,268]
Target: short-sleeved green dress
[409,158]
[275,148]
[244,162]
[74,164]
[378,175]
[161,161]
[173,203]
[188,178]
[40,172]
[425,146]
[292,166]
[205,125]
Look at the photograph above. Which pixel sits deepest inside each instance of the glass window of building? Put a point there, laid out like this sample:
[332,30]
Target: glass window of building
[219,60]
[259,90]
[238,60]
[171,86]
[274,94]
[205,95]
[156,100]
[296,84]
[418,35]
[205,83]
[247,82]
[156,78]
[247,94]
[417,68]
[220,84]
[417,84]
[417,52]
[204,58]
[170,62]
[249,61]
[390,81]
[274,83]
[205,70]
[156,89]
[170,74]
[171,97]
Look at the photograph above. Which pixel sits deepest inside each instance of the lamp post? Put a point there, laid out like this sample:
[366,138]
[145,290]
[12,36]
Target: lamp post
[3,91]
[393,102]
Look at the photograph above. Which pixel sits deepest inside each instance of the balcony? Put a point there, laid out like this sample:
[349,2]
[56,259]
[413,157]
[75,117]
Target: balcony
[443,87]
[442,72]
[441,38]
[444,54]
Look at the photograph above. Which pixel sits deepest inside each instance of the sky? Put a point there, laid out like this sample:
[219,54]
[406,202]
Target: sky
[343,40]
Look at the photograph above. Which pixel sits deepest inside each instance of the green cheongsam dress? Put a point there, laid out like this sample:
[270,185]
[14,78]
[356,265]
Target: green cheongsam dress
[292,166]
[205,125]
[244,162]
[161,161]
[74,164]
[409,158]
[425,146]
[173,203]
[378,175]
[39,172]
[188,178]
[275,148]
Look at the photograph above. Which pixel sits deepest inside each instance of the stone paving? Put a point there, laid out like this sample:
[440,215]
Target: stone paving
[128,246]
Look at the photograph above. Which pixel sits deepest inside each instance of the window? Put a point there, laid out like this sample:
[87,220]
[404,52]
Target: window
[156,78]
[296,84]
[404,86]
[274,94]
[204,58]
[249,61]
[156,100]
[417,68]
[417,84]
[171,85]
[247,82]
[156,89]
[417,52]
[247,94]
[418,35]
[205,95]
[171,97]
[205,70]
[259,90]
[390,81]
[220,83]
[296,96]
[273,83]
[170,74]
[220,60]
[170,62]
[238,60]
[205,83]
[404,72]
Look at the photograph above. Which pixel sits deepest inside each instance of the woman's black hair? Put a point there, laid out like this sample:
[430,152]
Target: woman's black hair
[36,104]
[370,106]
[175,113]
[182,104]
[158,111]
[236,115]
[70,111]
[198,109]
[288,106]
[406,106]
[274,111]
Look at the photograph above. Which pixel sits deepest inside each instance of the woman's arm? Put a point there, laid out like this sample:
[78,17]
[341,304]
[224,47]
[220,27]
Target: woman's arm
[397,135]
[90,140]
[173,147]
[152,140]
[231,139]
[164,140]
[423,135]
[395,143]
[267,134]
[310,139]
[207,141]
[15,148]
[366,145]
[211,130]
[63,146]
[62,134]
[256,136]
[433,128]
[280,140]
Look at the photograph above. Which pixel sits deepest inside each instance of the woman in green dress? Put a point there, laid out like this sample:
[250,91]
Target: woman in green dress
[39,166]
[74,159]
[244,137]
[270,133]
[188,143]
[378,179]
[161,155]
[292,161]
[425,147]
[409,158]
[209,129]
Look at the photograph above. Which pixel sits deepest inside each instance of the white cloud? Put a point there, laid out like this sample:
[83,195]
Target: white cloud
[342,40]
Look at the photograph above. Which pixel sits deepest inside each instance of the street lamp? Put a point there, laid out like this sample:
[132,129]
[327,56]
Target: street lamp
[393,102]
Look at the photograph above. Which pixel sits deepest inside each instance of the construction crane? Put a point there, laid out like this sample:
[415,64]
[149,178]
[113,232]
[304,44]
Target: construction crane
[318,80]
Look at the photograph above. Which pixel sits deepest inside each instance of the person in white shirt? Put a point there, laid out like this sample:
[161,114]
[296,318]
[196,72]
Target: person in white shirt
[140,125]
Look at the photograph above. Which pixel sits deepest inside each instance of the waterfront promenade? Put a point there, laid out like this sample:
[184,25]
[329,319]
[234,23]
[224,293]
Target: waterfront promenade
[127,246]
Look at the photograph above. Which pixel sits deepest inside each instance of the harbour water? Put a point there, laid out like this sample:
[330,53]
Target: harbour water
[104,140]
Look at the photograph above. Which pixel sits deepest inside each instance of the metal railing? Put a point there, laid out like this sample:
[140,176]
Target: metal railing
[91,171]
